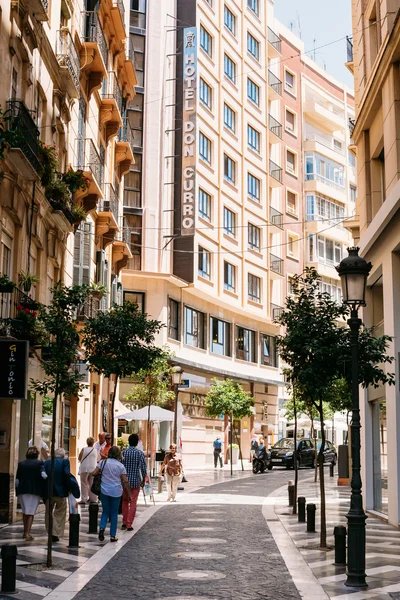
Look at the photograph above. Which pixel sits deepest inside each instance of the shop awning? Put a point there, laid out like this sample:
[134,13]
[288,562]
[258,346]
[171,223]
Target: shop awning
[156,414]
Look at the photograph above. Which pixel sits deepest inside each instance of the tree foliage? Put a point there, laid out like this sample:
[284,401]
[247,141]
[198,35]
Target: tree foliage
[152,385]
[226,397]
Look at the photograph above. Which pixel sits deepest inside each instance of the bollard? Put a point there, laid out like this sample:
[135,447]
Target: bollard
[290,489]
[301,512]
[8,568]
[74,520]
[93,517]
[311,509]
[340,544]
[331,470]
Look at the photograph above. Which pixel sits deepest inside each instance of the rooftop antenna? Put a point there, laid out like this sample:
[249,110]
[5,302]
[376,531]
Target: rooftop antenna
[291,26]
[298,23]
[314,42]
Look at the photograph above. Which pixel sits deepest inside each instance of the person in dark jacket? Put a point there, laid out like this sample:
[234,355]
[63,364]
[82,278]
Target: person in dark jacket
[59,494]
[29,484]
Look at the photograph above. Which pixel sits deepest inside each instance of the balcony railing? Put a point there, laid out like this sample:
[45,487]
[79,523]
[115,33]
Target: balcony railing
[276,311]
[322,179]
[67,55]
[111,90]
[275,171]
[110,202]
[89,159]
[26,132]
[274,40]
[276,217]
[276,264]
[274,126]
[93,32]
[274,82]
[125,132]
[313,137]
[88,309]
[352,124]
[349,43]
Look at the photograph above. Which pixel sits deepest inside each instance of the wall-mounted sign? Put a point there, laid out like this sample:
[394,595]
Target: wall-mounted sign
[184,384]
[189,142]
[14,369]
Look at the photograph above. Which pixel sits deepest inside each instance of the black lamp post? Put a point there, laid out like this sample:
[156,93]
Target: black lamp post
[353,272]
[176,380]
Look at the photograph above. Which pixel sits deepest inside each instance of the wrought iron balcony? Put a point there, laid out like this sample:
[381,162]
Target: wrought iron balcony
[125,133]
[25,130]
[68,58]
[111,90]
[276,217]
[274,126]
[276,311]
[274,40]
[110,202]
[275,171]
[89,160]
[349,43]
[275,83]
[276,264]
[92,32]
[352,124]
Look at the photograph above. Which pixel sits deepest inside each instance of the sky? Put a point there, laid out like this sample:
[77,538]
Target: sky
[317,20]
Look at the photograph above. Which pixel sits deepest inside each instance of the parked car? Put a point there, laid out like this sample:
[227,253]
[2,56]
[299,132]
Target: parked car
[330,454]
[282,453]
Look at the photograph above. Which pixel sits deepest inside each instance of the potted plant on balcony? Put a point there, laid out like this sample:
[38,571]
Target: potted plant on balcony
[6,285]
[27,280]
[97,290]
[26,326]
[27,302]
[76,180]
[49,160]
[78,214]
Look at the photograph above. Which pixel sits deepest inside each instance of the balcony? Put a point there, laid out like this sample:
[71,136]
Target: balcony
[118,18]
[275,172]
[24,146]
[110,115]
[274,44]
[39,8]
[276,311]
[69,62]
[94,50]
[123,149]
[276,264]
[314,141]
[350,57]
[276,129]
[18,313]
[108,211]
[126,68]
[326,114]
[275,85]
[121,252]
[88,309]
[276,217]
[88,160]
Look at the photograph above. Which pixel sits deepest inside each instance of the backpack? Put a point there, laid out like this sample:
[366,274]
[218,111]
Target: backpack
[254,444]
[174,466]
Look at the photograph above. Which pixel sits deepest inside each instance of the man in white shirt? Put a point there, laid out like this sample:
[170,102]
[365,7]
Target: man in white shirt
[99,445]
[44,449]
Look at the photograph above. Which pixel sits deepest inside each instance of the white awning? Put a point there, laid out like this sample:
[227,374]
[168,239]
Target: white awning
[156,414]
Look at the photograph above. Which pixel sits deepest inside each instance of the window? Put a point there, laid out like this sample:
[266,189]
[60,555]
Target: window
[253,5]
[173,319]
[253,138]
[331,287]
[353,193]
[291,203]
[220,337]
[337,146]
[229,118]
[82,255]
[352,158]
[229,68]
[290,121]
[229,20]
[204,204]
[253,91]
[205,93]
[135,298]
[194,328]
[253,187]
[205,41]
[246,344]
[253,237]
[323,169]
[290,286]
[229,169]
[320,208]
[329,251]
[290,162]
[290,82]
[254,287]
[269,355]
[204,269]
[205,148]
[229,222]
[292,245]
[229,277]
[253,46]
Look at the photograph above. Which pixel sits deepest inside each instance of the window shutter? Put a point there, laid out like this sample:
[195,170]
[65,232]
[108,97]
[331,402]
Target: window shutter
[82,254]
[120,294]
[100,266]
[114,294]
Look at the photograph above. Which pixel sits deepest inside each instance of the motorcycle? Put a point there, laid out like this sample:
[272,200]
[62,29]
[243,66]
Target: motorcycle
[261,461]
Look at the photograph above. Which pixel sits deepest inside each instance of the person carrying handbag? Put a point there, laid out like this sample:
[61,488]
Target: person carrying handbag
[172,466]
[87,463]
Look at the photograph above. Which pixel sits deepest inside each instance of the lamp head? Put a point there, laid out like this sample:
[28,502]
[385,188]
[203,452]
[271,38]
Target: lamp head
[353,272]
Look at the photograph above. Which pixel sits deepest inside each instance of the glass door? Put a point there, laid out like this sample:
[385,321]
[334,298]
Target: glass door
[379,443]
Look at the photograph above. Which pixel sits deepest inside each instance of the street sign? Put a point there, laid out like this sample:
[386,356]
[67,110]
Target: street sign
[184,384]
[14,369]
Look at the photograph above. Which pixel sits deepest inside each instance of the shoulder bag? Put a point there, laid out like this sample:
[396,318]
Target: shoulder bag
[96,485]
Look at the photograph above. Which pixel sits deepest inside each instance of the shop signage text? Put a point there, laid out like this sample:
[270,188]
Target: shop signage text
[14,369]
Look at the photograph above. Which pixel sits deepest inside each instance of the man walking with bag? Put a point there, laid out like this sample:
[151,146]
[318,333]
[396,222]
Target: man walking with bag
[135,465]
[217,445]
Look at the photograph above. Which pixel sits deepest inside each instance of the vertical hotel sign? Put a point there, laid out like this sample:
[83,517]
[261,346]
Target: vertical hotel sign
[189,142]
[13,369]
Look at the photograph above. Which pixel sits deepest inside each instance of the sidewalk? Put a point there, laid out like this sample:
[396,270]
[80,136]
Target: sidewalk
[383,544]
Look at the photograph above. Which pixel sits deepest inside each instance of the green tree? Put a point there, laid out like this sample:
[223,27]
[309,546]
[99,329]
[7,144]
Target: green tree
[120,342]
[227,397]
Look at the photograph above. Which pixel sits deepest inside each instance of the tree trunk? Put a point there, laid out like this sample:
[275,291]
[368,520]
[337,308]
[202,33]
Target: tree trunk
[240,451]
[295,465]
[322,479]
[112,410]
[49,560]
[231,436]
[149,437]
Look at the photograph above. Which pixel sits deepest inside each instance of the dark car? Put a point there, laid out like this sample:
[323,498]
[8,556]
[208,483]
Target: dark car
[282,453]
[330,454]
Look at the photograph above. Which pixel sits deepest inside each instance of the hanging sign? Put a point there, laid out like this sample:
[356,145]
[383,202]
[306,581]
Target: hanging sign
[14,369]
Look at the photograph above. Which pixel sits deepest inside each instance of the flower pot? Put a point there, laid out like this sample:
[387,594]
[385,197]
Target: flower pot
[31,304]
[235,455]
[27,286]
[6,288]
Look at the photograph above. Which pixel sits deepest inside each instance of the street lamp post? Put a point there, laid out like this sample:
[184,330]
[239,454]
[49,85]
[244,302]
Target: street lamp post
[176,380]
[353,272]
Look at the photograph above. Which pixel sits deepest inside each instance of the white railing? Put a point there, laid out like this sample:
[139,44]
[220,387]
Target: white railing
[317,177]
[313,137]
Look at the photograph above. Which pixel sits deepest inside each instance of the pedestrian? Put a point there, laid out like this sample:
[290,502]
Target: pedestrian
[88,461]
[107,445]
[44,449]
[113,477]
[135,465]
[59,493]
[217,445]
[173,469]
[99,445]
[29,483]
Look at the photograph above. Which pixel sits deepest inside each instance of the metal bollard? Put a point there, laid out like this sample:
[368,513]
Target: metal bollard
[301,512]
[74,521]
[331,470]
[311,509]
[8,568]
[340,544]
[290,489]
[93,517]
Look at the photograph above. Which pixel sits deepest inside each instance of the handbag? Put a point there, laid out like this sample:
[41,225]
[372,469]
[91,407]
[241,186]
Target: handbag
[74,486]
[96,485]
